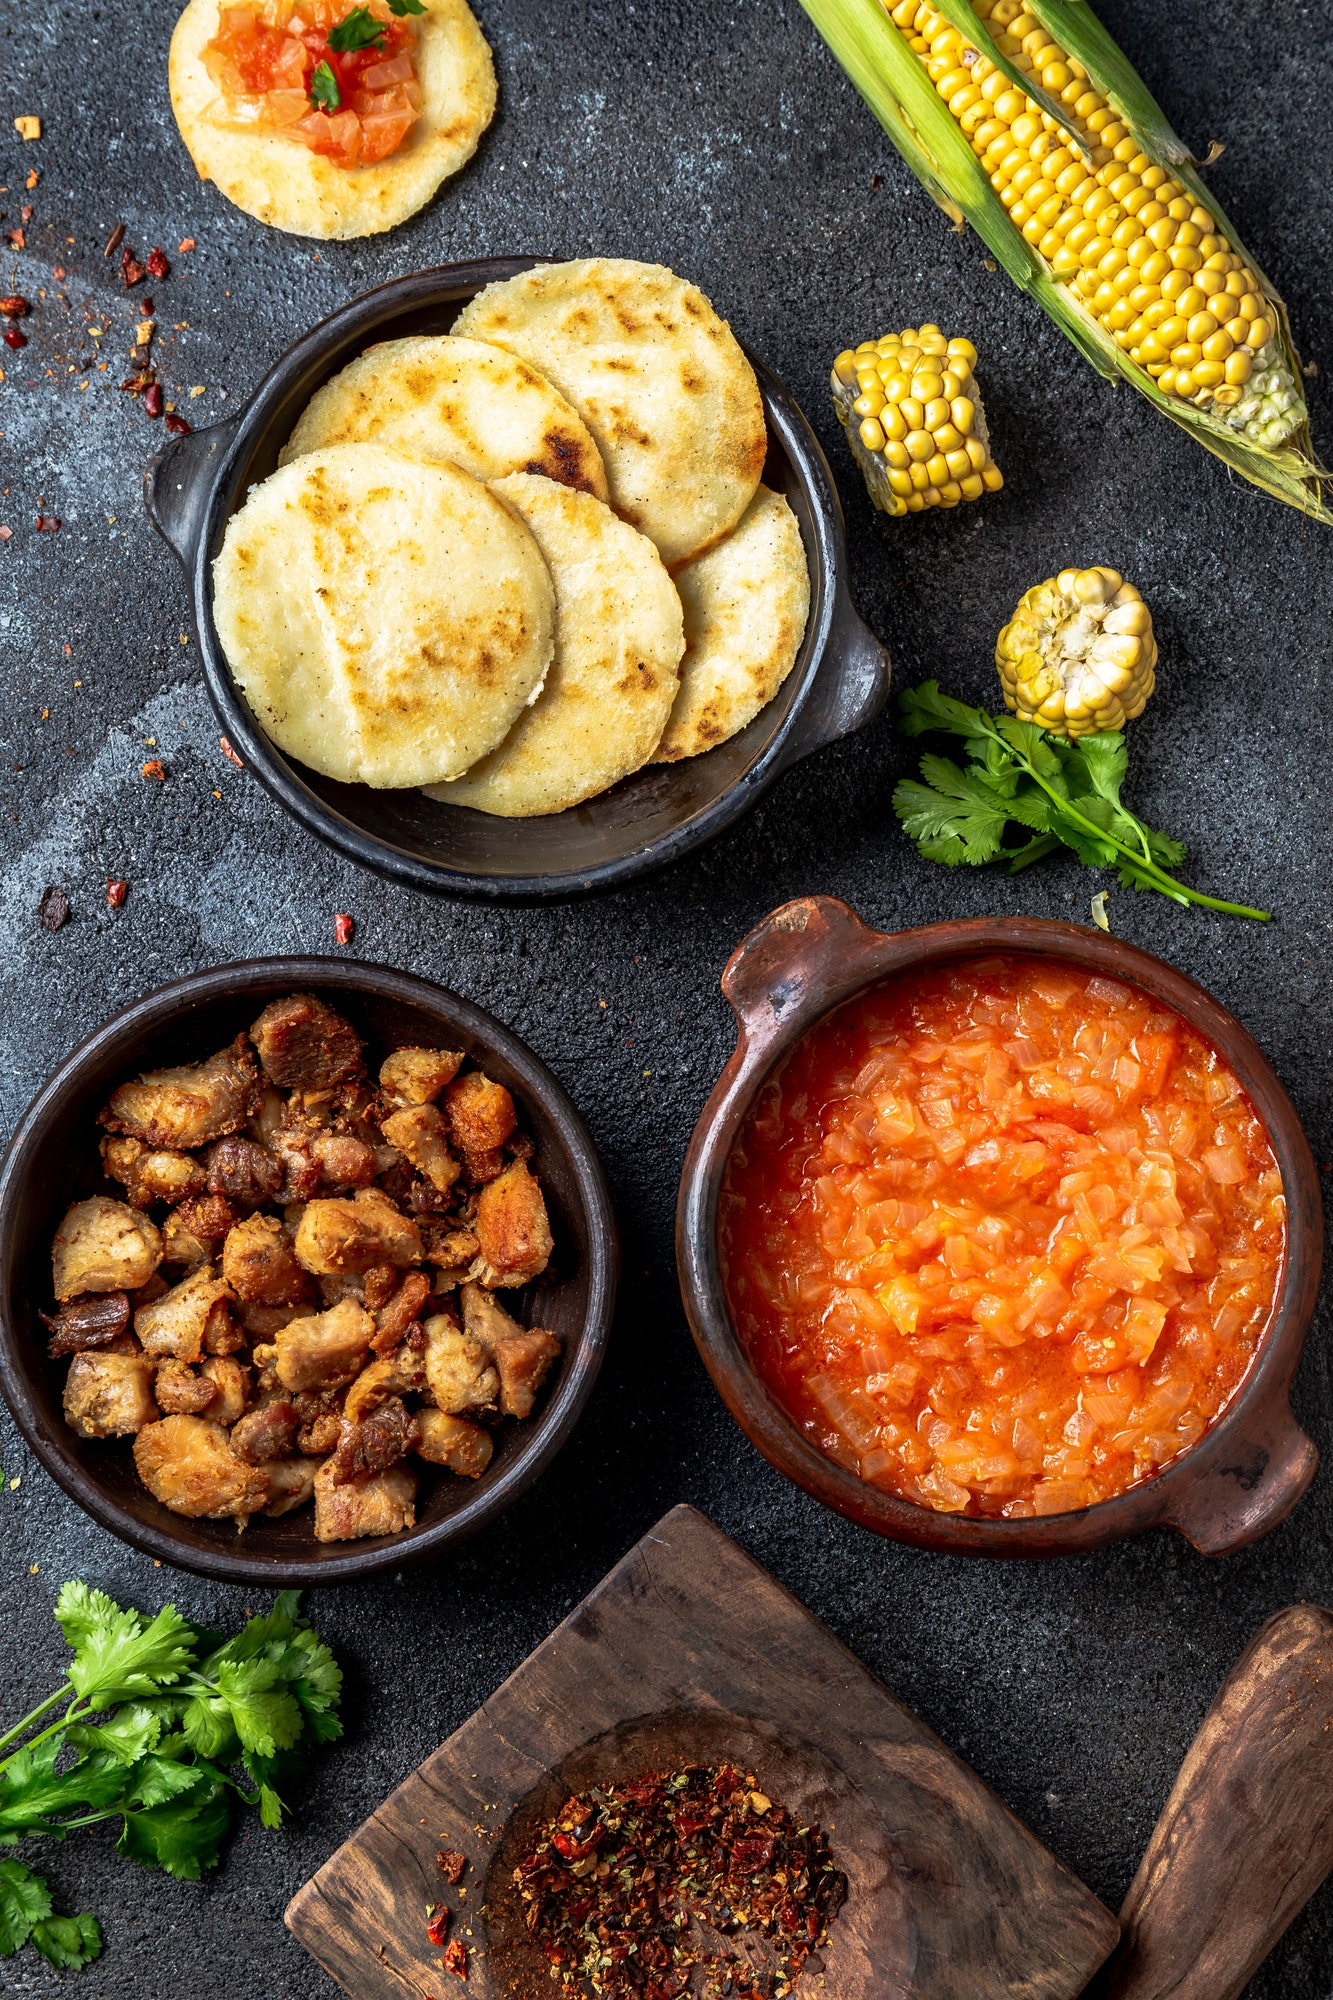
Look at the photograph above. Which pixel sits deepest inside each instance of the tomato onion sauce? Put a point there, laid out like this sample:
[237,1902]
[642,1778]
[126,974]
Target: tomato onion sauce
[1002,1236]
[263,59]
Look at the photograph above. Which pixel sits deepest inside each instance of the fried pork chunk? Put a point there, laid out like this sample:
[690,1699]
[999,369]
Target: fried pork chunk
[376,1443]
[522,1356]
[382,1505]
[291,1481]
[185,1462]
[109,1395]
[183,1391]
[453,1442]
[339,1236]
[419,1133]
[152,1175]
[305,1045]
[326,1349]
[103,1246]
[459,1374]
[260,1265]
[172,1328]
[242,1173]
[481,1117]
[95,1320]
[186,1107]
[266,1434]
[513,1233]
[417,1076]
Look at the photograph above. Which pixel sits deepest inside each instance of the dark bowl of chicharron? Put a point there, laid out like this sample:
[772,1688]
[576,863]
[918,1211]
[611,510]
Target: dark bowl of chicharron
[1247,1471]
[53,1161]
[839,682]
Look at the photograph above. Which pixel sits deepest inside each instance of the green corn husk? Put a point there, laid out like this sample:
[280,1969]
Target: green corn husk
[877,57]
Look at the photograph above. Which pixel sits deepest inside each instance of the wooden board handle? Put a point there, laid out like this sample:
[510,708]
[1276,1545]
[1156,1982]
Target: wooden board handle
[1246,1836]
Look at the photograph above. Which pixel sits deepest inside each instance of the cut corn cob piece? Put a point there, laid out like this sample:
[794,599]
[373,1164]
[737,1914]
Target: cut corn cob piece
[1078,655]
[913,414]
[1027,121]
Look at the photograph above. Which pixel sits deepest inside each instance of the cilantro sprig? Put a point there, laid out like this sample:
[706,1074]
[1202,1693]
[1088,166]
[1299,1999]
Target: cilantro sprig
[162,1717]
[1059,793]
[324,92]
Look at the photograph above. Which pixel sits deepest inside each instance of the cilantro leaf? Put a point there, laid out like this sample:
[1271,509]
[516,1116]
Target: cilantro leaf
[69,1943]
[117,1653]
[24,1901]
[131,1733]
[157,1779]
[955,816]
[924,707]
[265,1717]
[324,92]
[401,7]
[182,1835]
[32,1791]
[357,30]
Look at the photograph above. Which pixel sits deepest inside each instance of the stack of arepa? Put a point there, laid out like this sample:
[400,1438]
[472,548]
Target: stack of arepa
[516,562]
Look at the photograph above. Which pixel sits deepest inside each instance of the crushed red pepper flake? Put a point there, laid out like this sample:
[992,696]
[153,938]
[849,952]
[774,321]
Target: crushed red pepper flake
[178,426]
[451,1864]
[17,238]
[455,1958]
[152,400]
[26,212]
[186,243]
[157,265]
[48,524]
[116,892]
[437,1927]
[15,307]
[343,927]
[13,338]
[230,754]
[153,768]
[131,270]
[640,1890]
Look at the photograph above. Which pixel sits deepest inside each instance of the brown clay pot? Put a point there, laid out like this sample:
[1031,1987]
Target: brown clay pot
[1243,1476]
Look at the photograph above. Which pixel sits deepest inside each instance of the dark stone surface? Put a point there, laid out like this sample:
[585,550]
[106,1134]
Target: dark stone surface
[721,139]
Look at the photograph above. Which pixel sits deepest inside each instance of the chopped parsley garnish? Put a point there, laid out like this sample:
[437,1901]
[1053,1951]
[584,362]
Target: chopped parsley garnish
[401,7]
[324,92]
[357,30]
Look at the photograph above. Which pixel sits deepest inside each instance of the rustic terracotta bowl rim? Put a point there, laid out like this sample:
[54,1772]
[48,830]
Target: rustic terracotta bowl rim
[59,1102]
[776,1005]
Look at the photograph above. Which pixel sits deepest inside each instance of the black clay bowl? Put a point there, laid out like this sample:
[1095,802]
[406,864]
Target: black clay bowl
[1243,1476]
[839,682]
[53,1160]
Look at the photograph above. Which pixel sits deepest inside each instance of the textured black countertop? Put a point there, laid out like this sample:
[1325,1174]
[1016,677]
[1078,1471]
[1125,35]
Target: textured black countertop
[720,138]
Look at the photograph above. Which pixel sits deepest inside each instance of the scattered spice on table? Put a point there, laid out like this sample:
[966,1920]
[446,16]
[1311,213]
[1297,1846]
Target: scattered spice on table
[230,754]
[451,1864]
[634,1889]
[53,909]
[153,767]
[343,927]
[48,524]
[157,265]
[437,1926]
[116,892]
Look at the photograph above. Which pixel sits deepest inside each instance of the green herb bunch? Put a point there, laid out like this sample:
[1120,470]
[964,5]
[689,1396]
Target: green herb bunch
[1053,793]
[160,1716]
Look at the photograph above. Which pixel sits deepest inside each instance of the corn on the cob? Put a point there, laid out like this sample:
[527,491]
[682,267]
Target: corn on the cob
[1078,655]
[914,418]
[1024,117]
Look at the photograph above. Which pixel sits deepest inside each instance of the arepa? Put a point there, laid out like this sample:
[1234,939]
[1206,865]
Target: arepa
[464,401]
[283,183]
[661,382]
[746,603]
[386,620]
[618,643]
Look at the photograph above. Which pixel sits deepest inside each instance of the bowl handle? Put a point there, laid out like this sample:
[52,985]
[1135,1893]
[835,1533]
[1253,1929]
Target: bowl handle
[850,689]
[782,961]
[1254,1480]
[177,482]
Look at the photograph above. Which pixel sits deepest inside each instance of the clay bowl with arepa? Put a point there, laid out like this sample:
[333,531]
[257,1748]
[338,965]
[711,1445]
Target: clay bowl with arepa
[805,970]
[53,1161]
[838,682]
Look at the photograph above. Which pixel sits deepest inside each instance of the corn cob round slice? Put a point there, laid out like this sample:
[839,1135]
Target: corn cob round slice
[914,418]
[1078,655]
[1145,258]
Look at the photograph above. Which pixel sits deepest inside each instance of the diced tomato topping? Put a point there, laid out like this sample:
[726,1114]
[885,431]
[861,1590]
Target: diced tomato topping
[264,59]
[1003,1237]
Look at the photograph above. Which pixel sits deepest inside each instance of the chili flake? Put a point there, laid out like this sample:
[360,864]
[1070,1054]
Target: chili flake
[179,428]
[48,524]
[116,892]
[455,1958]
[437,1927]
[14,307]
[158,266]
[343,926]
[633,1889]
[153,768]
[131,270]
[230,754]
[451,1864]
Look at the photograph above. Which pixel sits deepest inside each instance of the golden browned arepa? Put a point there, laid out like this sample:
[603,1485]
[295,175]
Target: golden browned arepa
[439,397]
[280,182]
[618,642]
[385,619]
[661,382]
[746,603]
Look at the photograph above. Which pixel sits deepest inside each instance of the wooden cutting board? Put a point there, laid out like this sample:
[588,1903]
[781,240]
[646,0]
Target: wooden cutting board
[688,1652]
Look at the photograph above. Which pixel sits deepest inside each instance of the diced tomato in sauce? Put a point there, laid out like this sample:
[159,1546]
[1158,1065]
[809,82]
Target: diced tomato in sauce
[1002,1236]
[264,57]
